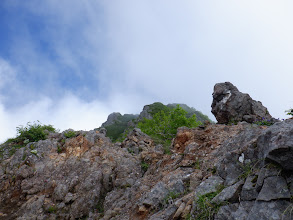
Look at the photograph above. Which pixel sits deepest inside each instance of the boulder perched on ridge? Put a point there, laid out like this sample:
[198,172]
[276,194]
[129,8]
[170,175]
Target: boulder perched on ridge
[230,105]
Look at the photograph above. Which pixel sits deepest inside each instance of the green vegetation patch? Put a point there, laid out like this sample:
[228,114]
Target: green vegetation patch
[119,129]
[31,133]
[157,107]
[205,208]
[70,134]
[144,166]
[163,127]
[266,122]
[52,209]
[169,198]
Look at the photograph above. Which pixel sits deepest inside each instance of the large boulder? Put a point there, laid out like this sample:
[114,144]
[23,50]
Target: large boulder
[276,144]
[231,105]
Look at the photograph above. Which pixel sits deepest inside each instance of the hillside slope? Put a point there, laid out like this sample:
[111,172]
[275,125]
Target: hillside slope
[216,171]
[92,178]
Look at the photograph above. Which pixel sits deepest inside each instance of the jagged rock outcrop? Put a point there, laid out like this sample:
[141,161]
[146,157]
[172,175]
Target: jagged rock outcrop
[112,118]
[87,176]
[215,171]
[230,105]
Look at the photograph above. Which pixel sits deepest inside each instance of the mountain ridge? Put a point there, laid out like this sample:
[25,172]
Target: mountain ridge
[117,124]
[233,170]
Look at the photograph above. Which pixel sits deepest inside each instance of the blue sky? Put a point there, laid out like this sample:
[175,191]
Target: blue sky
[71,63]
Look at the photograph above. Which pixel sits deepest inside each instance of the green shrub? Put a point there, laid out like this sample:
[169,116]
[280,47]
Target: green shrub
[163,127]
[289,112]
[32,132]
[191,111]
[157,107]
[70,134]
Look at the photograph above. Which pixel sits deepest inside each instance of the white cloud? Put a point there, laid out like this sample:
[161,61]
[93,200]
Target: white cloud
[68,112]
[139,52]
[179,51]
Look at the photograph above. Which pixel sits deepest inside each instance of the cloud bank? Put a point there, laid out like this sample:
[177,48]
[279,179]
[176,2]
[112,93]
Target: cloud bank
[71,63]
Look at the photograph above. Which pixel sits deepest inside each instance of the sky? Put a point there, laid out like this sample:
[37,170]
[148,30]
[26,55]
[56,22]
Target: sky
[71,63]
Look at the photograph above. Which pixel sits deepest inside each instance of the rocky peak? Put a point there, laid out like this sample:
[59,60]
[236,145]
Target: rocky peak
[215,171]
[112,118]
[231,105]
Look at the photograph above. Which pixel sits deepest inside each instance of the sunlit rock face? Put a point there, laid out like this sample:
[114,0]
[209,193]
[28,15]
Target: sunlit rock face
[230,105]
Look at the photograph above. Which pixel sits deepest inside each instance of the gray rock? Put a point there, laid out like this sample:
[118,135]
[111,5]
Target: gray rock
[241,145]
[208,186]
[230,105]
[234,211]
[289,180]
[94,135]
[176,186]
[225,212]
[264,173]
[32,209]
[155,196]
[145,113]
[249,189]
[229,194]
[164,214]
[276,210]
[112,118]
[274,187]
[60,191]
[276,144]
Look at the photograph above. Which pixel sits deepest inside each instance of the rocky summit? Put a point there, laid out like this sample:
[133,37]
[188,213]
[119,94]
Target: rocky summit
[215,171]
[231,105]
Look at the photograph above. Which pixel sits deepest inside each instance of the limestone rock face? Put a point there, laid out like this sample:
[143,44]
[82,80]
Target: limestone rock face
[230,105]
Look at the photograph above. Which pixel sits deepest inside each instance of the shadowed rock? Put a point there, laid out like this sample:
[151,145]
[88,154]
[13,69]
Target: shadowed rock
[276,144]
[231,105]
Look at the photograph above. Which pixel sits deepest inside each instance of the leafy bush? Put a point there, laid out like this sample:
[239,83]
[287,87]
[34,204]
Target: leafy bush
[289,112]
[70,134]
[32,132]
[157,107]
[163,127]
[191,111]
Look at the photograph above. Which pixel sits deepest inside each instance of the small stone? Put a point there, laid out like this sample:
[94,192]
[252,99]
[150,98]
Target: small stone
[142,209]
[179,210]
